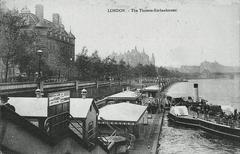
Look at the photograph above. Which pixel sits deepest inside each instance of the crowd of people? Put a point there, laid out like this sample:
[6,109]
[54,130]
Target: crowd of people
[210,112]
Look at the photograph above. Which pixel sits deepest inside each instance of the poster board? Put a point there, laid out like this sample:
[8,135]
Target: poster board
[58,111]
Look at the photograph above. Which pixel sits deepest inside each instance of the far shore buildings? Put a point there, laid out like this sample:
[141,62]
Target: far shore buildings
[57,44]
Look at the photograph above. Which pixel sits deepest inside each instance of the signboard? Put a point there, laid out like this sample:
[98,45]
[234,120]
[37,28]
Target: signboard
[58,112]
[58,98]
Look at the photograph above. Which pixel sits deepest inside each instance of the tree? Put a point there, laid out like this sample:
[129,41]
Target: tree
[138,71]
[110,68]
[96,66]
[26,57]
[122,68]
[149,71]
[10,38]
[83,64]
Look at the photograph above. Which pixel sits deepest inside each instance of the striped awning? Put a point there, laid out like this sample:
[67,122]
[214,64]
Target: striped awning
[117,123]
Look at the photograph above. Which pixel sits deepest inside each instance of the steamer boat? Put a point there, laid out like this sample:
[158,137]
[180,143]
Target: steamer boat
[211,118]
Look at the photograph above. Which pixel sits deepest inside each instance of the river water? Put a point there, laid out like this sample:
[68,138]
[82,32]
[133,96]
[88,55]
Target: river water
[182,140]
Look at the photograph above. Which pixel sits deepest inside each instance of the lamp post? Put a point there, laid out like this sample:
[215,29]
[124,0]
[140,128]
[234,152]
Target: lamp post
[69,71]
[39,52]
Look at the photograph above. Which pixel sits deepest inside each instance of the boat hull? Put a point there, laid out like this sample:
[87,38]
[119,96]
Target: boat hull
[222,130]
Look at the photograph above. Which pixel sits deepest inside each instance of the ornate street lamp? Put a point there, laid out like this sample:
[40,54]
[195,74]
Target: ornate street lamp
[39,53]
[69,71]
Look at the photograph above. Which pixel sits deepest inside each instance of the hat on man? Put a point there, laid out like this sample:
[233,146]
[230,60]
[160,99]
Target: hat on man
[4,98]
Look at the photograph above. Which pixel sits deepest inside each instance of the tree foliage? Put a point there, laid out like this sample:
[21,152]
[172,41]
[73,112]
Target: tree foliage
[11,38]
[94,68]
[18,47]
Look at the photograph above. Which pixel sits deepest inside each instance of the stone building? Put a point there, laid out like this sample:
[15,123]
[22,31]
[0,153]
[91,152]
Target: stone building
[134,57]
[58,46]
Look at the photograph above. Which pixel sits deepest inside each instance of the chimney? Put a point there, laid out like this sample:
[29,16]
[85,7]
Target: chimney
[39,11]
[84,93]
[56,18]
[196,97]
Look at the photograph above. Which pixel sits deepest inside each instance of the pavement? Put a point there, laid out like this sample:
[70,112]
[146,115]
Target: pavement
[150,141]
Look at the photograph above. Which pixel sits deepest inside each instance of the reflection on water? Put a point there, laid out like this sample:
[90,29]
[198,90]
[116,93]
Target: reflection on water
[182,140]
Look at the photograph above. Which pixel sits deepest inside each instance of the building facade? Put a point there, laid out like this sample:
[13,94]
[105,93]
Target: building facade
[57,44]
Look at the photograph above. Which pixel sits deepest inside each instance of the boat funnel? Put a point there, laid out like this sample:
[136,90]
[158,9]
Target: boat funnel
[196,96]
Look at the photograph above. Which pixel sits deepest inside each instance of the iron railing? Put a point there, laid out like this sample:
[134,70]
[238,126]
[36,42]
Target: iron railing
[72,124]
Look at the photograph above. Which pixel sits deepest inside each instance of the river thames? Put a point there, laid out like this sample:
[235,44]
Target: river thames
[181,140]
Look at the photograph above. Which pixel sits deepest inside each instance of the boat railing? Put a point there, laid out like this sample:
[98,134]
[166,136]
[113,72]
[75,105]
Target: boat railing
[217,119]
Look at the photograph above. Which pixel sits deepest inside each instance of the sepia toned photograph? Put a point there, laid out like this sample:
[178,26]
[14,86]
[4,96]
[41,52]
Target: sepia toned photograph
[119,76]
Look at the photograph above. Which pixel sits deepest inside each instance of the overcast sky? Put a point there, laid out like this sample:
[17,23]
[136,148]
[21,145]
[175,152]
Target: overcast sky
[199,30]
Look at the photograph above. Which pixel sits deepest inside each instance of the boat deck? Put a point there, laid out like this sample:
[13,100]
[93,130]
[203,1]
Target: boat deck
[213,119]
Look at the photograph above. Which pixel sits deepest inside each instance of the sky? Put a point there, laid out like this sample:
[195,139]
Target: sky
[198,30]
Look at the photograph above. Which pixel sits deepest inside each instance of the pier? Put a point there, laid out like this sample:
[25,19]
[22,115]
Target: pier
[147,134]
[150,143]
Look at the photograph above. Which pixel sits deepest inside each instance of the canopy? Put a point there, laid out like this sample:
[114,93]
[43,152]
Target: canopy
[179,110]
[37,107]
[125,95]
[122,112]
[227,109]
[152,88]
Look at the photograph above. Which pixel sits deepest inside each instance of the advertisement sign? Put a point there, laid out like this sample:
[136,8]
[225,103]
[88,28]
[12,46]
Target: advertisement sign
[59,98]
[58,112]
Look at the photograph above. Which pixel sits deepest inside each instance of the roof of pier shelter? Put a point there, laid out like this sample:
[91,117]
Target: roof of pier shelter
[121,113]
[152,88]
[125,95]
[37,107]
[35,132]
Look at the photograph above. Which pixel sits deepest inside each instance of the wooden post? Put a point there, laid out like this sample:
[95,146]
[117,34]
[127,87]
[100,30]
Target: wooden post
[76,85]
[97,84]
[41,86]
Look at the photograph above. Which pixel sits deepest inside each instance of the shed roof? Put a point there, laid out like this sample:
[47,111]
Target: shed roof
[122,112]
[37,107]
[125,95]
[79,107]
[152,88]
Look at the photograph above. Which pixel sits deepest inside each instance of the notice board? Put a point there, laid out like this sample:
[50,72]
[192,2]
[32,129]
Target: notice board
[58,111]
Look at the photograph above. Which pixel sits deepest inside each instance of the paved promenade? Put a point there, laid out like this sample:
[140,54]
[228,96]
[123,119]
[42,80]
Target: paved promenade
[149,144]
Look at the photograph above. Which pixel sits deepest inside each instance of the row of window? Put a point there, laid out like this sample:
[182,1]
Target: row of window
[64,38]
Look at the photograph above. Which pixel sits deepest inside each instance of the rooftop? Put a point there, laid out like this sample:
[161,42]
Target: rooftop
[122,112]
[125,95]
[33,19]
[151,88]
[37,107]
